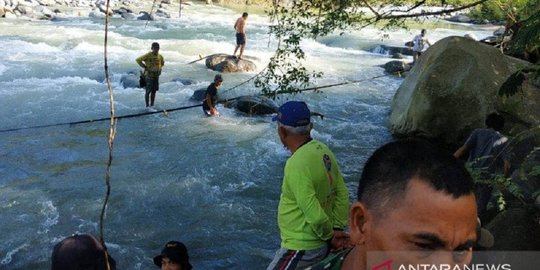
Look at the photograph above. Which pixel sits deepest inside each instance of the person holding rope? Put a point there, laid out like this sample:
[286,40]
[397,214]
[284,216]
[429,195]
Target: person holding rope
[239,26]
[210,97]
[152,63]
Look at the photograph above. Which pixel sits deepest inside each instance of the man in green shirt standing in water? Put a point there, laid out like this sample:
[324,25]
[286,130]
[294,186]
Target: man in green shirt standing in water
[314,201]
[152,63]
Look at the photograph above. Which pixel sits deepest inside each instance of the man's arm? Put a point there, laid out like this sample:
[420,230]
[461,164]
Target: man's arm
[236,24]
[462,151]
[507,167]
[340,209]
[302,187]
[140,61]
[208,100]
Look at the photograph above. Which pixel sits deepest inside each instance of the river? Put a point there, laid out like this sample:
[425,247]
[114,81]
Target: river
[212,183]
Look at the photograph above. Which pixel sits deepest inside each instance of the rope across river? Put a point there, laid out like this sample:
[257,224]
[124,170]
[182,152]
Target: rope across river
[167,111]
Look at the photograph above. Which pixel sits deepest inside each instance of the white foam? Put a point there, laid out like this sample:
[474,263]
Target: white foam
[9,256]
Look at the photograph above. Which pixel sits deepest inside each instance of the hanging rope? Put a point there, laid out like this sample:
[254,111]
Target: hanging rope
[150,15]
[112,133]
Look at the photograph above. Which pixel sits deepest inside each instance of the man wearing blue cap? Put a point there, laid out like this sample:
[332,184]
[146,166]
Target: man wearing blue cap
[313,207]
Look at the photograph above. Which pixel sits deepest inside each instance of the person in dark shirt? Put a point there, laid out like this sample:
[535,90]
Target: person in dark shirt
[210,98]
[486,153]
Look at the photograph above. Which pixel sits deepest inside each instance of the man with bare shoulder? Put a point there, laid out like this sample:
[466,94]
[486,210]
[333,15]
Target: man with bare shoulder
[239,26]
[416,206]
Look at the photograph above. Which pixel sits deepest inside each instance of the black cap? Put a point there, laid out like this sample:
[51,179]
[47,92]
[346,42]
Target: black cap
[176,252]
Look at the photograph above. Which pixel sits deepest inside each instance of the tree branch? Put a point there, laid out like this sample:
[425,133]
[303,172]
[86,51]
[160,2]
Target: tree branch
[372,9]
[446,11]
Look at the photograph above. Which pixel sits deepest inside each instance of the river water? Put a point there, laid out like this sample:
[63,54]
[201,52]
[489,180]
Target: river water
[213,183]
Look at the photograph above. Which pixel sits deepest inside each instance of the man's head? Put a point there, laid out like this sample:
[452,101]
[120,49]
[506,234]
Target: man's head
[423,32]
[174,256]
[81,252]
[294,123]
[495,121]
[155,47]
[245,15]
[218,80]
[414,197]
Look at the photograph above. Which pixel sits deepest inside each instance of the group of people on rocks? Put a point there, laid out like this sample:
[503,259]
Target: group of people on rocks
[412,196]
[153,62]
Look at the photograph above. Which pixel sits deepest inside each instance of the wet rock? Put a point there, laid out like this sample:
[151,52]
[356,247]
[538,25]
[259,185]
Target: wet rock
[184,81]
[253,105]
[145,16]
[524,233]
[228,63]
[391,50]
[453,86]
[130,80]
[198,95]
[396,66]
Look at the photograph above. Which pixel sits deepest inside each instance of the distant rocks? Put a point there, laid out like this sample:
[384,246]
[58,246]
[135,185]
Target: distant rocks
[460,18]
[52,9]
[392,50]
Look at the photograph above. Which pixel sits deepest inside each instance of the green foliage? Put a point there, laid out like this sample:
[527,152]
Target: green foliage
[499,10]
[300,20]
[513,84]
[502,186]
[527,37]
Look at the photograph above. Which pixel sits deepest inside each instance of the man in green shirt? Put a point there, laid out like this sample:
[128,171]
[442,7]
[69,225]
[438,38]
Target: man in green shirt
[152,63]
[314,202]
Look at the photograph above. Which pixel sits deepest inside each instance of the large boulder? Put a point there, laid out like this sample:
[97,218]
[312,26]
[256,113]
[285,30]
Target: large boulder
[228,63]
[199,94]
[524,233]
[453,86]
[253,105]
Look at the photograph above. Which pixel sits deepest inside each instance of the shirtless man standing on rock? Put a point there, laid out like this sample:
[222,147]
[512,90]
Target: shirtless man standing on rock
[240,35]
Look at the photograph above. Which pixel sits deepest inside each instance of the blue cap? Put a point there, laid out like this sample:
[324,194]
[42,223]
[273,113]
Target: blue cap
[294,114]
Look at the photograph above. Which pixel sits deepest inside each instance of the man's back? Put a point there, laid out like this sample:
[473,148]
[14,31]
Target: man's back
[485,145]
[314,198]
[239,25]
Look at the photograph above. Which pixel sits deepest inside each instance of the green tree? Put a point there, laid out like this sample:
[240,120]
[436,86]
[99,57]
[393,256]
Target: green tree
[296,20]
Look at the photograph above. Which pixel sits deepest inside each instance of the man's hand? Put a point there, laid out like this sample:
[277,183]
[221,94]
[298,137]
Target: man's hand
[340,240]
